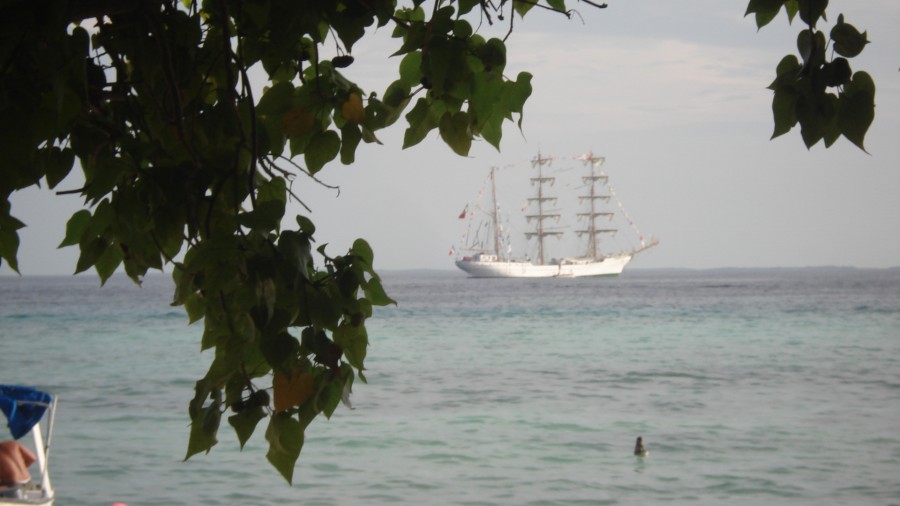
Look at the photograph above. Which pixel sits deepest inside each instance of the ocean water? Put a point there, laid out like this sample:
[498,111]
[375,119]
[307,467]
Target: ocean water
[748,387]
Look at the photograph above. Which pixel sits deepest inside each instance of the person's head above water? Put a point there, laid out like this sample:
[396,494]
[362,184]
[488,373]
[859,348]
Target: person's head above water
[639,447]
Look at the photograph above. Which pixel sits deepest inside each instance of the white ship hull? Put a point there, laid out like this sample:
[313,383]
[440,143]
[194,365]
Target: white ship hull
[486,266]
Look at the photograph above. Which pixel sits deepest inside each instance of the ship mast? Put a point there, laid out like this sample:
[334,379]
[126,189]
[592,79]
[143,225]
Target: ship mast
[540,231]
[495,215]
[592,230]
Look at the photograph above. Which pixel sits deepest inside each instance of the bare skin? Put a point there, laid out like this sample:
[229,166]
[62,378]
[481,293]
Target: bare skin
[14,462]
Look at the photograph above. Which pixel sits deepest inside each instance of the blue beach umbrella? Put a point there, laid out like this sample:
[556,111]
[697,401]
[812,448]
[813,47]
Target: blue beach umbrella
[23,407]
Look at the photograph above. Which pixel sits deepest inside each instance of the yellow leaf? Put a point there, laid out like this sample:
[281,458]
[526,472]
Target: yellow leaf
[297,122]
[293,391]
[353,110]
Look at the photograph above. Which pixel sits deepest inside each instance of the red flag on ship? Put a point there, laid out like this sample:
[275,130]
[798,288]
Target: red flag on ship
[462,215]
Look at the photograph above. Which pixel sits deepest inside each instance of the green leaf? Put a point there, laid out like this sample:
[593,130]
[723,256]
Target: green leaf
[455,131]
[784,110]
[195,307]
[322,148]
[375,292]
[297,252]
[847,40]
[466,6]
[273,190]
[411,69]
[9,237]
[363,251]
[811,10]
[280,350]
[205,425]
[791,7]
[860,82]
[55,164]
[461,28]
[108,262]
[90,253]
[765,10]
[840,72]
[557,5]
[831,130]
[184,284]
[330,395]
[444,65]
[423,118]
[516,93]
[245,423]
[811,125]
[353,341]
[285,437]
[493,55]
[350,137]
[75,228]
[276,100]
[266,217]
[523,6]
[787,72]
[306,225]
[9,248]
[812,49]
[856,108]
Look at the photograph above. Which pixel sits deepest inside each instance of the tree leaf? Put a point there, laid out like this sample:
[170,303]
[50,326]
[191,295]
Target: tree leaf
[291,391]
[811,10]
[205,425]
[285,437]
[516,93]
[423,118]
[245,423]
[297,122]
[108,262]
[855,114]
[9,248]
[523,6]
[195,307]
[411,69]
[56,164]
[90,253]
[375,292]
[322,148]
[330,396]
[75,228]
[847,40]
[350,137]
[276,100]
[787,72]
[353,341]
[765,10]
[456,132]
[784,110]
[363,251]
[493,55]
[297,251]
[265,217]
[352,110]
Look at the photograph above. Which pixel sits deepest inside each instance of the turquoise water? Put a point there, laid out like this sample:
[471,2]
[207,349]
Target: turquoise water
[748,386]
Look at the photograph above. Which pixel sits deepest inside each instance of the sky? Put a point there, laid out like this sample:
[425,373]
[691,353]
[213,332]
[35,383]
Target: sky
[673,94]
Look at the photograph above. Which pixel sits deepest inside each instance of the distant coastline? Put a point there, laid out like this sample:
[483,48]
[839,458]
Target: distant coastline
[455,272]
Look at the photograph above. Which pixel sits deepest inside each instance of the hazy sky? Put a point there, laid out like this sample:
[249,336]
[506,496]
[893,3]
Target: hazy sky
[673,95]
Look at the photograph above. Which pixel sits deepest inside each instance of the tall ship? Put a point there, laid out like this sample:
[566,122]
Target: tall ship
[488,251]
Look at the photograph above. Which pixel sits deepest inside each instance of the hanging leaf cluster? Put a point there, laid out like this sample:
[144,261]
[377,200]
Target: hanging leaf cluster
[819,90]
[186,162]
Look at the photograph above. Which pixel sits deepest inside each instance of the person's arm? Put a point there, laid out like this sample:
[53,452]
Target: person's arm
[27,456]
